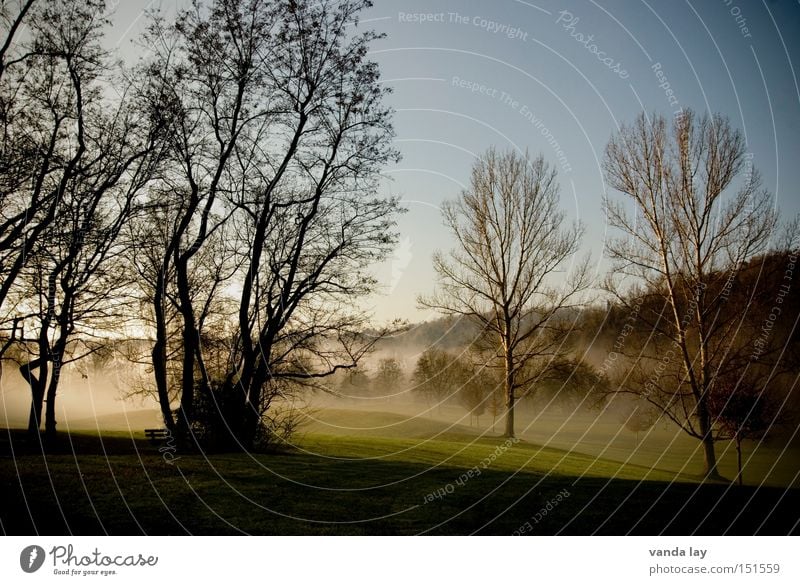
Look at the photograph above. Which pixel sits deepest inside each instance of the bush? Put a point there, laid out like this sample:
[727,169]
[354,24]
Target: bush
[216,417]
[217,422]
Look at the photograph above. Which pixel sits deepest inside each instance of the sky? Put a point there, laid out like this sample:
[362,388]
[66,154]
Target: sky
[558,79]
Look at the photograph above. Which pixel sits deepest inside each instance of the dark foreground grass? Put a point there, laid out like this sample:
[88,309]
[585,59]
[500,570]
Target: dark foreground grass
[334,485]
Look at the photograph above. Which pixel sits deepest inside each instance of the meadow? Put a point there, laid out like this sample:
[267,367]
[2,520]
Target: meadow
[357,472]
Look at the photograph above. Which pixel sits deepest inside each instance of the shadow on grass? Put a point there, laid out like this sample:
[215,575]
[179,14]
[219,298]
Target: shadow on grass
[124,485]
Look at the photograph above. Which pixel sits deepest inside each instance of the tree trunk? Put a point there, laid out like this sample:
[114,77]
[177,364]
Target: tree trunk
[159,360]
[159,354]
[509,383]
[37,396]
[56,357]
[251,416]
[52,389]
[187,378]
[191,346]
[711,471]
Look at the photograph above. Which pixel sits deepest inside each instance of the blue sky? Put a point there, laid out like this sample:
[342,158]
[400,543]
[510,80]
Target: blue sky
[557,79]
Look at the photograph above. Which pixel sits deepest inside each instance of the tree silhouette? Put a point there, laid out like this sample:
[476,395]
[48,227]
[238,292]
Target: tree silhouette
[278,132]
[88,157]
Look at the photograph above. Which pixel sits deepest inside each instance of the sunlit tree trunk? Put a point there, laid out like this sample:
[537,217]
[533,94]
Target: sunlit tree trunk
[509,389]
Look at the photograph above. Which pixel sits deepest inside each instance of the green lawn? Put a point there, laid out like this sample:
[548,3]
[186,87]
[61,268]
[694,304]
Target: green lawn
[120,484]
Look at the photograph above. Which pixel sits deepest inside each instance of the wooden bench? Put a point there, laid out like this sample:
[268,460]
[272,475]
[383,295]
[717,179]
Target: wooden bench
[157,435]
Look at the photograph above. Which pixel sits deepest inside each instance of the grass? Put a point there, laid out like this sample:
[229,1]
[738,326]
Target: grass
[117,483]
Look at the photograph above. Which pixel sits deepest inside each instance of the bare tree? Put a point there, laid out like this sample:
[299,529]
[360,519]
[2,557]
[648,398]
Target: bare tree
[213,267]
[745,411]
[278,133]
[698,213]
[355,383]
[433,377]
[207,80]
[74,158]
[641,417]
[388,377]
[75,285]
[46,76]
[476,384]
[495,404]
[315,220]
[511,241]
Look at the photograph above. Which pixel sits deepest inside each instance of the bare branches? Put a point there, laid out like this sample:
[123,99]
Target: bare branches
[511,242]
[277,132]
[692,230]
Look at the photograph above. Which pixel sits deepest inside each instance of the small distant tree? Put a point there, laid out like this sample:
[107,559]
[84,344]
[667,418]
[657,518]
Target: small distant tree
[431,378]
[476,386]
[744,411]
[640,418]
[511,239]
[562,381]
[355,382]
[495,403]
[388,377]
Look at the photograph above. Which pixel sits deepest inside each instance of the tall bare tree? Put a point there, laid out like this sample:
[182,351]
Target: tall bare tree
[511,241]
[278,130]
[74,158]
[694,212]
[206,78]
[314,219]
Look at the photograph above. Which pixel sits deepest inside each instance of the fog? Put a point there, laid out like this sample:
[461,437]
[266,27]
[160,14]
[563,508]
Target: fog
[86,400]
[96,400]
